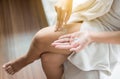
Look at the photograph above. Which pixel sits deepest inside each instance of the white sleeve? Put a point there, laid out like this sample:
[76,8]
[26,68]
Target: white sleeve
[90,10]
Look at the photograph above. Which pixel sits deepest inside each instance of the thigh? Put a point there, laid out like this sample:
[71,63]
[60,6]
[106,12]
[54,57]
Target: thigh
[47,36]
[52,59]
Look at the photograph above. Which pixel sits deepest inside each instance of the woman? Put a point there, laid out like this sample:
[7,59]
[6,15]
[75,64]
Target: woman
[96,47]
[97,17]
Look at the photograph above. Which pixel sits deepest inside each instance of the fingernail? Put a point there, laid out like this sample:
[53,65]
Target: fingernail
[71,50]
[52,43]
[3,66]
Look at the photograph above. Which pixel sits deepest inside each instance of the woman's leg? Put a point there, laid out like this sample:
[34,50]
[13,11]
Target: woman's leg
[52,62]
[41,43]
[53,65]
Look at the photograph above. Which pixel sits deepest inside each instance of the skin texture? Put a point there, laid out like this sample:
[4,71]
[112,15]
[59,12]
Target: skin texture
[41,48]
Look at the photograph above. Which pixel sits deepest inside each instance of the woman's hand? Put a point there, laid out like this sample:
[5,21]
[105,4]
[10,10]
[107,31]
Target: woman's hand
[63,9]
[74,42]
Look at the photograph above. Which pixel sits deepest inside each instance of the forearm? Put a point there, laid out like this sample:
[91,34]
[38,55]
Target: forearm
[106,37]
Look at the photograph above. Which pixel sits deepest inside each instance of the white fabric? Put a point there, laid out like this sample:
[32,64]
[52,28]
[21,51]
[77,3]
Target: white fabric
[103,15]
[90,9]
[72,72]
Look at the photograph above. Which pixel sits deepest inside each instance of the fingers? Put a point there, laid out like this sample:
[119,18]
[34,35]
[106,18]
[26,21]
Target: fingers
[76,46]
[79,45]
[75,43]
[63,46]
[62,40]
[77,49]
[57,27]
[58,18]
[68,13]
[63,9]
[65,36]
[58,12]
[55,44]
[62,17]
[63,43]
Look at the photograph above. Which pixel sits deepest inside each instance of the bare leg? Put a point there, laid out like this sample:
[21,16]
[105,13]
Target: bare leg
[33,54]
[53,65]
[52,62]
[41,43]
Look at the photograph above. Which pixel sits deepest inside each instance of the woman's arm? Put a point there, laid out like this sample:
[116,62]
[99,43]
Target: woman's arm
[79,40]
[106,37]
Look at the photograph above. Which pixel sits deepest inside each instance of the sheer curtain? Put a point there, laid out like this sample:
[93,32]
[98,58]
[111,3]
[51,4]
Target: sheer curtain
[19,21]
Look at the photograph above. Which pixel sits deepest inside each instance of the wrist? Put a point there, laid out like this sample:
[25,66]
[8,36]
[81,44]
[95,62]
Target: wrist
[94,36]
[91,36]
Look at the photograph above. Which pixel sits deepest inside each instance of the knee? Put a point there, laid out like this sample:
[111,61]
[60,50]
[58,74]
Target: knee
[40,37]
